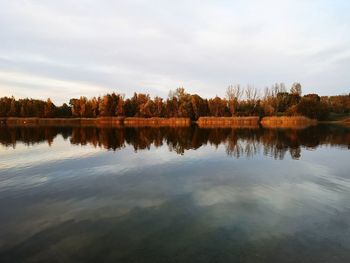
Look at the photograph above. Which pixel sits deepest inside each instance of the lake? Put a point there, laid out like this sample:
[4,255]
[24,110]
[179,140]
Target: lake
[88,194]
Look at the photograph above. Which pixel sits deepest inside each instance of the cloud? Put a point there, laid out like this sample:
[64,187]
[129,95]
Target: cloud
[43,86]
[152,46]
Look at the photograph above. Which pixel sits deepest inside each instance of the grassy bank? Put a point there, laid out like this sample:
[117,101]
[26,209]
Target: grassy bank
[112,121]
[133,121]
[249,122]
[287,122]
[228,121]
[40,121]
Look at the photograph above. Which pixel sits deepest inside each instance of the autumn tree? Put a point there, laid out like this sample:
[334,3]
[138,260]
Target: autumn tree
[171,107]
[159,107]
[217,107]
[63,111]
[233,94]
[14,108]
[49,109]
[147,109]
[199,106]
[75,107]
[250,105]
[5,106]
[296,88]
[119,110]
[184,105]
[312,107]
[130,107]
[275,100]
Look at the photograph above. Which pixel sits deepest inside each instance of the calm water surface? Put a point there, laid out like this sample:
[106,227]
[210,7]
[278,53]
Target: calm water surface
[174,194]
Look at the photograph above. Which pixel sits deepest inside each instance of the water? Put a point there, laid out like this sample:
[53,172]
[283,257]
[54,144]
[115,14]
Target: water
[174,194]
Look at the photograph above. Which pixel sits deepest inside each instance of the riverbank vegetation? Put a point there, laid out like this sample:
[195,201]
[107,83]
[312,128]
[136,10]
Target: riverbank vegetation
[287,122]
[248,101]
[228,121]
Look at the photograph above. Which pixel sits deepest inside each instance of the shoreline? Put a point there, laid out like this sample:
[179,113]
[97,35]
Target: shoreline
[205,122]
[100,121]
[287,122]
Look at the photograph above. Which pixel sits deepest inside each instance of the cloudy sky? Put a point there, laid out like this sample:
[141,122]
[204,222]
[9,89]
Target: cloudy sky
[63,49]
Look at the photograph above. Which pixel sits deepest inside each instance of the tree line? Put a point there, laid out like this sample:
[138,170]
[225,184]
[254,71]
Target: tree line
[238,101]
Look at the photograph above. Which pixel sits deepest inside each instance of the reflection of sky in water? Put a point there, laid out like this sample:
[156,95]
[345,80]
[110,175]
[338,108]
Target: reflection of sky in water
[261,198]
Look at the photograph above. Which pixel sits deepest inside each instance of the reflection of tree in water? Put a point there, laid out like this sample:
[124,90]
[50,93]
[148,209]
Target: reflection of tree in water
[237,146]
[238,142]
[107,138]
[9,136]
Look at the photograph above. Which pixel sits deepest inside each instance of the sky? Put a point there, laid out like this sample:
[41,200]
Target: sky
[64,49]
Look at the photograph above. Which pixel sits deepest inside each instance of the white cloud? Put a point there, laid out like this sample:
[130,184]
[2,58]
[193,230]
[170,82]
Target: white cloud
[153,46]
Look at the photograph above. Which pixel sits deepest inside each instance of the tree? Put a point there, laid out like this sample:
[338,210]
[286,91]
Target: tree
[171,107]
[182,104]
[85,109]
[94,107]
[179,93]
[199,106]
[159,108]
[119,111]
[311,106]
[147,109]
[64,111]
[105,105]
[296,88]
[130,107]
[75,106]
[282,101]
[49,109]
[233,94]
[312,97]
[249,107]
[217,107]
[5,106]
[14,108]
